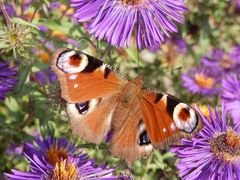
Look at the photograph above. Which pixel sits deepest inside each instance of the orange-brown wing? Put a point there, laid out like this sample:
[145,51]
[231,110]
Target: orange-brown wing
[167,118]
[91,120]
[129,139]
[83,77]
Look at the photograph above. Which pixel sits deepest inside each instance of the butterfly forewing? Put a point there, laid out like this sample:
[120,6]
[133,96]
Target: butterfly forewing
[84,77]
[167,118]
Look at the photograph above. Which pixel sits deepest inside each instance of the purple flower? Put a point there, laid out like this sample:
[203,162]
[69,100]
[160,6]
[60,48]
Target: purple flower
[213,153]
[235,54]
[43,28]
[14,150]
[221,61]
[7,81]
[54,5]
[26,4]
[180,44]
[59,159]
[231,96]
[214,58]
[73,42]
[11,10]
[45,76]
[236,3]
[116,20]
[202,80]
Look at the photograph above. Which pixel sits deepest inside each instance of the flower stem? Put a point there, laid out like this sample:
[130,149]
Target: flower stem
[5,14]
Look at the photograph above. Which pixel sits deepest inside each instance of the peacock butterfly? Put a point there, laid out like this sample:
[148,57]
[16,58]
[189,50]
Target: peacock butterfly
[99,100]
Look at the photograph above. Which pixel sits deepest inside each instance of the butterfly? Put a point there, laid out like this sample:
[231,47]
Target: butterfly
[99,101]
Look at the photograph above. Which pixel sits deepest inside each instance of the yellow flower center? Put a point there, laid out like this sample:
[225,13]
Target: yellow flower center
[64,171]
[44,55]
[59,35]
[204,110]
[203,81]
[55,155]
[28,16]
[227,146]
[131,2]
[65,9]
[13,37]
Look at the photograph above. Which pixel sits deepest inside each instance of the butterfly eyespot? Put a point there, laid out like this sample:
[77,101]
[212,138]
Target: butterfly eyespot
[72,62]
[185,117]
[82,107]
[144,139]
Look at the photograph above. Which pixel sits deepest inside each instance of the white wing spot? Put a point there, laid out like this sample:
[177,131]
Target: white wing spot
[164,130]
[73,76]
[75,85]
[172,126]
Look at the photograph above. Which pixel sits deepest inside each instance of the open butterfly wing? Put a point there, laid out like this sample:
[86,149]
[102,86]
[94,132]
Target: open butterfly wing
[167,118]
[91,120]
[84,77]
[89,87]
[129,139]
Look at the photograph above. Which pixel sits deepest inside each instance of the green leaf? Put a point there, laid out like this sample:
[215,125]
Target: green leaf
[134,54]
[12,104]
[23,22]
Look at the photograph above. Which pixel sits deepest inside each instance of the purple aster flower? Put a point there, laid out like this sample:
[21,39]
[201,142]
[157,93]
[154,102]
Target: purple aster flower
[236,3]
[213,58]
[45,76]
[46,43]
[213,153]
[43,28]
[116,20]
[73,42]
[235,54]
[202,80]
[7,81]
[224,62]
[14,150]
[58,159]
[11,10]
[231,96]
[54,5]
[180,44]
[26,4]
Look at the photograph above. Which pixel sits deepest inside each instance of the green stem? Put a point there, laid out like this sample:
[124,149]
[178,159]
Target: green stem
[5,14]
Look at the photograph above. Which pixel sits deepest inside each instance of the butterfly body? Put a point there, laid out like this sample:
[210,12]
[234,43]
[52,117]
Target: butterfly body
[99,100]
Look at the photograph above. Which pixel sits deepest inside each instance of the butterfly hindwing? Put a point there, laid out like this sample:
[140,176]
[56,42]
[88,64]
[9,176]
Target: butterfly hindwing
[167,118]
[83,77]
[130,140]
[91,120]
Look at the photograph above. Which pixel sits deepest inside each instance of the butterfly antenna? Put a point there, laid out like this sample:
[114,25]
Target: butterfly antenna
[105,52]
[175,69]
